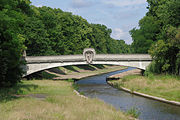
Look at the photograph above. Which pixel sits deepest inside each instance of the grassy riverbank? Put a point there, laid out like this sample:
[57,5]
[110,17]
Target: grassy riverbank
[164,86]
[52,100]
[79,72]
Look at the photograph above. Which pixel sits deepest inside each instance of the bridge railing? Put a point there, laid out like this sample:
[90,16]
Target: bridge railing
[48,59]
[123,57]
[80,58]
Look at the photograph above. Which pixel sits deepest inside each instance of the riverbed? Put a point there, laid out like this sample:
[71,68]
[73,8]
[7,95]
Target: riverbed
[97,87]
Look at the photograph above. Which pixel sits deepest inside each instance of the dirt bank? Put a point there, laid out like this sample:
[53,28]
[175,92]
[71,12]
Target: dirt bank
[121,75]
[83,72]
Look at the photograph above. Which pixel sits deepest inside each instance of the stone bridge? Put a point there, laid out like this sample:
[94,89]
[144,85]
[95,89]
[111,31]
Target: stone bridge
[89,56]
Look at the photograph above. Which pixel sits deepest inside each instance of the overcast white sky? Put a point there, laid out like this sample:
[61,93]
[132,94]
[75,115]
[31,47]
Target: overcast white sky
[118,15]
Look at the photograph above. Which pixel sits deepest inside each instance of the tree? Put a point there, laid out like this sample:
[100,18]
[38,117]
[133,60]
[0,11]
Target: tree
[37,40]
[144,37]
[160,27]
[12,14]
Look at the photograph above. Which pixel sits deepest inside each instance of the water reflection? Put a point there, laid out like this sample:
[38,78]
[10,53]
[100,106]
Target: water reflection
[96,87]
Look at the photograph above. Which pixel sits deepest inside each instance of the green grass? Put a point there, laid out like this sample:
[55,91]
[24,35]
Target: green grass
[164,86]
[90,68]
[70,69]
[134,112]
[48,76]
[60,103]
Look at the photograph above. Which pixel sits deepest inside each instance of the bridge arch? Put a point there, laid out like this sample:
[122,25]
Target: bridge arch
[39,63]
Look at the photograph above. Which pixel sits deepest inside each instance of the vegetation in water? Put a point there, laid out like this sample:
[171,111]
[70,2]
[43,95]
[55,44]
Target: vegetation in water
[134,112]
[55,100]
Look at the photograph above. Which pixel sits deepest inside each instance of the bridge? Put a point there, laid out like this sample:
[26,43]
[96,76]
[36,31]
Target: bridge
[89,56]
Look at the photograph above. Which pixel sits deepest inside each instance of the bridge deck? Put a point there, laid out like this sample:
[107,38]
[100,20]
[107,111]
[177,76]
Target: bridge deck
[38,63]
[98,57]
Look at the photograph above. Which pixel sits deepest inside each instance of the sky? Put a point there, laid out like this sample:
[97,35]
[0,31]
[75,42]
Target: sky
[119,15]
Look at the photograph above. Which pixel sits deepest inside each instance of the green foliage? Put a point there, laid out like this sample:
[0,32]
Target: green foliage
[8,94]
[152,68]
[54,32]
[36,37]
[75,86]
[159,34]
[46,31]
[146,35]
[13,15]
[166,53]
[70,80]
[46,75]
[133,112]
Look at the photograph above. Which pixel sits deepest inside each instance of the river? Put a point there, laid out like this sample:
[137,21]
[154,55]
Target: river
[96,87]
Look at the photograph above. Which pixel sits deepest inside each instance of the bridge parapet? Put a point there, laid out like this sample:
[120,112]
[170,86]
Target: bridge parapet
[49,59]
[98,57]
[89,56]
[123,57]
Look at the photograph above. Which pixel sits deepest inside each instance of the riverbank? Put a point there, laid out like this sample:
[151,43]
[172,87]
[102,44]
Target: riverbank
[79,72]
[164,88]
[52,100]
[57,99]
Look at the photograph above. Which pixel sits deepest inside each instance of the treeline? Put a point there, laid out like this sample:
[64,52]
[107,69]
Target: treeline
[54,32]
[159,35]
[46,31]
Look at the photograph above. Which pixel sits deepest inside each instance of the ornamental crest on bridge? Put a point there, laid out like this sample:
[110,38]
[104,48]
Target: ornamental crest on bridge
[89,54]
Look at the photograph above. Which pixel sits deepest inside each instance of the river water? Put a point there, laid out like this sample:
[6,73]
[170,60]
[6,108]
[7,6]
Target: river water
[96,87]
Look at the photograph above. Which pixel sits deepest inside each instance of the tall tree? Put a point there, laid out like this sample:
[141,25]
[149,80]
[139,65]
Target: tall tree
[13,14]
[160,30]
